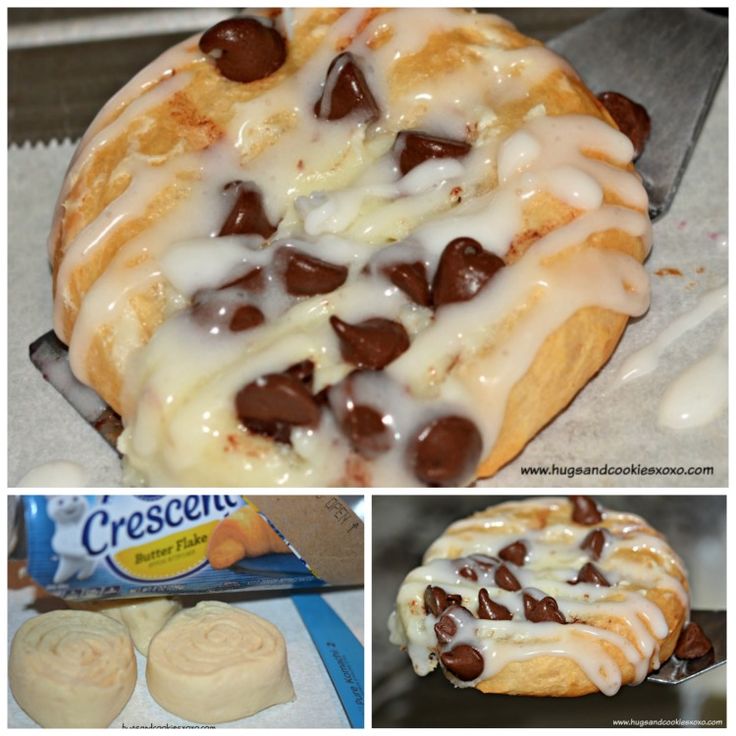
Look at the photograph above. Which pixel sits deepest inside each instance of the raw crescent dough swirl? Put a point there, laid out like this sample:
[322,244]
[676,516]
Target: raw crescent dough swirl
[72,669]
[143,617]
[215,663]
[613,634]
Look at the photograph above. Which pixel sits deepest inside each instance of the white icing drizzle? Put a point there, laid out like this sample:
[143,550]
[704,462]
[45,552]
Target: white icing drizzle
[160,71]
[553,558]
[56,474]
[335,190]
[645,360]
[700,393]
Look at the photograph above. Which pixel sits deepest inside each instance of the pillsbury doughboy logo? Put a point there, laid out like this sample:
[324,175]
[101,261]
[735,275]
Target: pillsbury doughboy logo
[68,514]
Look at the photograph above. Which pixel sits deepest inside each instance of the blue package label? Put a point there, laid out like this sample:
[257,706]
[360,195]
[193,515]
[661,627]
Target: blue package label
[90,547]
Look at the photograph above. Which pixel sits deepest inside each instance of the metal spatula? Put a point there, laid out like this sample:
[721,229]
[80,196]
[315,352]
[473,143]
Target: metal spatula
[675,670]
[670,61]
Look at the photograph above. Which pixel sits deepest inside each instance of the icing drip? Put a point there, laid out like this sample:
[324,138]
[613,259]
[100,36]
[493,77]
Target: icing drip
[55,474]
[146,84]
[335,189]
[700,393]
[553,558]
[645,360]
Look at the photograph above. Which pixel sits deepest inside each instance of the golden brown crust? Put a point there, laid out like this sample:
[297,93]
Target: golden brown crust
[586,341]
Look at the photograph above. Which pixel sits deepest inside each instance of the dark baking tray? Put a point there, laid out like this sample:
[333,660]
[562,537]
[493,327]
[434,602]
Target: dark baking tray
[404,526]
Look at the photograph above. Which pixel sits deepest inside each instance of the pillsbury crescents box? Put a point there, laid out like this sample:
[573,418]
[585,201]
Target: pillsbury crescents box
[115,546]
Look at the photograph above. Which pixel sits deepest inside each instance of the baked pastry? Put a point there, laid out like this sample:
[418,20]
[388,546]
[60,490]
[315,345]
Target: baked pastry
[72,669]
[544,597]
[346,247]
[142,617]
[242,534]
[215,663]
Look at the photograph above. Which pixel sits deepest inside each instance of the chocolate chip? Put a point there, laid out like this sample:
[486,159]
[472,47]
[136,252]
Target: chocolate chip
[366,431]
[589,573]
[248,50]
[246,317]
[346,92]
[468,572]
[444,630]
[322,396]
[209,312]
[303,372]
[247,216]
[464,269]
[446,451]
[277,431]
[631,118]
[585,510]
[505,579]
[464,662]
[216,313]
[693,642]
[411,278]
[542,610]
[365,426]
[275,403]
[373,343]
[436,600]
[305,275]
[490,610]
[484,562]
[594,543]
[515,553]
[414,147]
[446,627]
[253,281]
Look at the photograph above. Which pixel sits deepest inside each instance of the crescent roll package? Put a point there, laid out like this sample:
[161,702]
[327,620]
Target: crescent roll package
[96,547]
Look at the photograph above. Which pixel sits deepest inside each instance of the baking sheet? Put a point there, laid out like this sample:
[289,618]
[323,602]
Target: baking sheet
[695,526]
[608,423]
[316,702]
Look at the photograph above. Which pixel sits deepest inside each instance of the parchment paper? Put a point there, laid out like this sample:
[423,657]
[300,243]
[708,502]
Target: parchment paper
[608,423]
[316,703]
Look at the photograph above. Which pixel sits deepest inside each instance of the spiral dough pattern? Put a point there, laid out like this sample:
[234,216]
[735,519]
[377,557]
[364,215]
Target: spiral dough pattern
[215,663]
[72,669]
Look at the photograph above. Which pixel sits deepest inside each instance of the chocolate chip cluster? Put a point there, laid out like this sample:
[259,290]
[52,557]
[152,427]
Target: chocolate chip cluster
[465,661]
[444,451]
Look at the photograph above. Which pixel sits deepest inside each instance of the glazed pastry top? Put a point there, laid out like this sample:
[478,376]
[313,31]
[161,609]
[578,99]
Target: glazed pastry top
[544,576]
[368,219]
